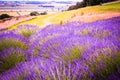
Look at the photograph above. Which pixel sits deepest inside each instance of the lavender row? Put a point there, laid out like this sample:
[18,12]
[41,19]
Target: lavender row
[73,51]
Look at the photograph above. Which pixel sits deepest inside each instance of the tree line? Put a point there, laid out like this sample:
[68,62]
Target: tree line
[85,3]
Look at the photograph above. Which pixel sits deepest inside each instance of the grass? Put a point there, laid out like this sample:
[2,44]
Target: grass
[10,60]
[38,21]
[66,16]
[7,43]
[27,33]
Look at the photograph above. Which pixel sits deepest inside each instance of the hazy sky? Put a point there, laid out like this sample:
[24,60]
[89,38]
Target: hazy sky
[41,0]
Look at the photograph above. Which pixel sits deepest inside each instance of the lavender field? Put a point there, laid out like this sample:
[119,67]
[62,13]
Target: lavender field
[73,51]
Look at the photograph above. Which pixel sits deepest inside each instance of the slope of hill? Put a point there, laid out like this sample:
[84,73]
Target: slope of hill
[88,14]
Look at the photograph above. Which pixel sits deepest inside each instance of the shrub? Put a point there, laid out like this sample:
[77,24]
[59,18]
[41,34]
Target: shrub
[3,16]
[26,30]
[78,5]
[34,13]
[7,43]
[10,39]
[9,58]
[43,13]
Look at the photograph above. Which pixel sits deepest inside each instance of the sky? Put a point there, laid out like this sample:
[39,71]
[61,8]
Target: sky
[42,0]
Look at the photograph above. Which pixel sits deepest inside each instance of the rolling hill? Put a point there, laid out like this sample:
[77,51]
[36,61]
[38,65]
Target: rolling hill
[87,14]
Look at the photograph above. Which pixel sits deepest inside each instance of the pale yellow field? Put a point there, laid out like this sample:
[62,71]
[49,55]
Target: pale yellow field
[85,13]
[38,21]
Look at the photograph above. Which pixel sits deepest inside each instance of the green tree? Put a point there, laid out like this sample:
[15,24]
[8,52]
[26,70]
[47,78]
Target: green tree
[34,13]
[95,2]
[3,16]
[92,2]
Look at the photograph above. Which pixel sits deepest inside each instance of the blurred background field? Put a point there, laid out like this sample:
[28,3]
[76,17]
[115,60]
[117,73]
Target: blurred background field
[78,44]
[88,14]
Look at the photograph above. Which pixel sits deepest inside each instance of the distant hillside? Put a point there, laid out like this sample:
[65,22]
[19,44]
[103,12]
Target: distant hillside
[87,14]
[85,3]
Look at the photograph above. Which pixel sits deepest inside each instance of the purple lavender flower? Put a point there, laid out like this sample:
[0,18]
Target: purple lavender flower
[26,30]
[73,51]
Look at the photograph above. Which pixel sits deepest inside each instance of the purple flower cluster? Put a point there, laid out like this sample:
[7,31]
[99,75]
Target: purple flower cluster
[10,39]
[26,30]
[11,57]
[73,51]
